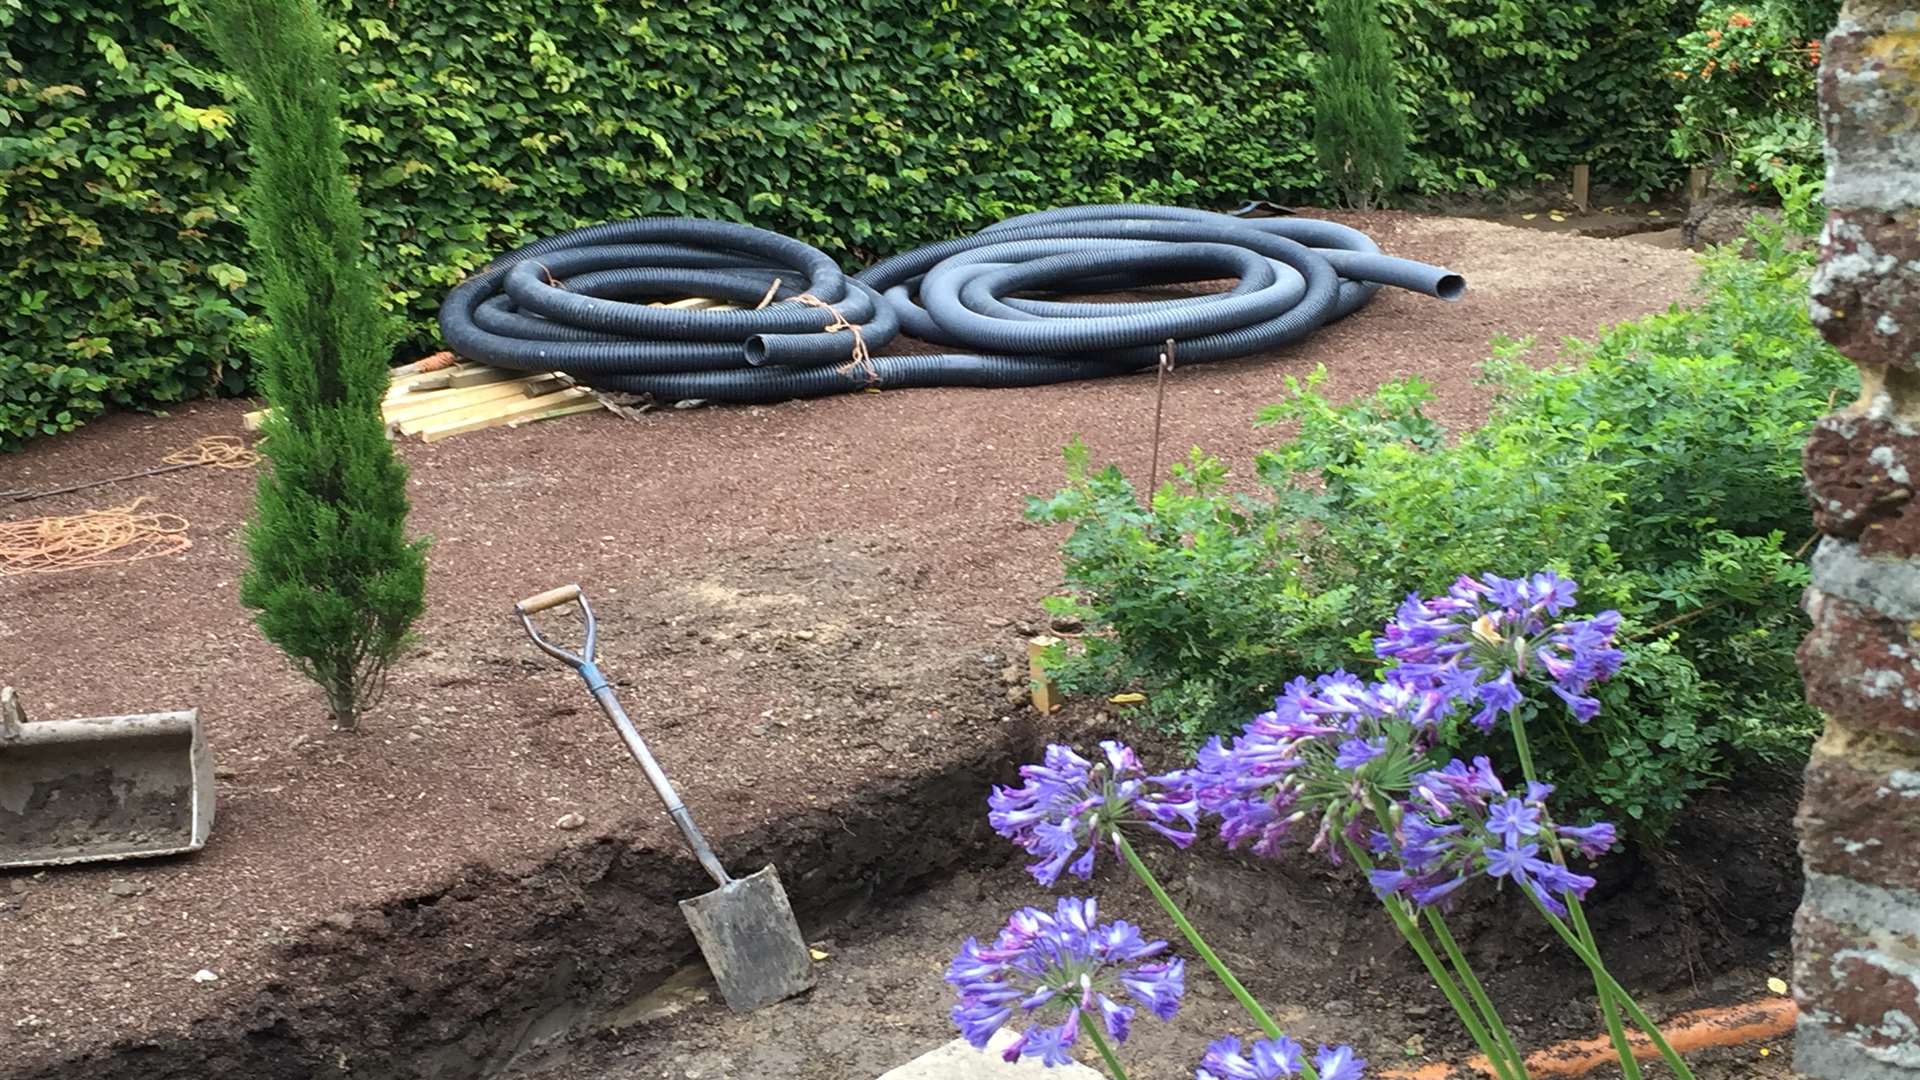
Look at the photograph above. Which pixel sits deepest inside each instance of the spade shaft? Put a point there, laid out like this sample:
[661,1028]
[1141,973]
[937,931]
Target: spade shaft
[746,927]
[663,787]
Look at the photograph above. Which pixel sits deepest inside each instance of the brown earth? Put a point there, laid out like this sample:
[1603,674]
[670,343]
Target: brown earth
[807,608]
[1308,942]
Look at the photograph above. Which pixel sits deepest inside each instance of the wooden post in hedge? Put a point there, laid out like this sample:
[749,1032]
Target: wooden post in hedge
[1857,936]
[335,580]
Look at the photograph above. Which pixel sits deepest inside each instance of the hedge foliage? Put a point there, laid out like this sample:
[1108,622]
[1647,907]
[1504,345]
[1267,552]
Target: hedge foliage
[861,125]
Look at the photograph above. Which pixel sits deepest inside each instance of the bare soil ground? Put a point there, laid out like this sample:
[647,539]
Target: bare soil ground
[807,607]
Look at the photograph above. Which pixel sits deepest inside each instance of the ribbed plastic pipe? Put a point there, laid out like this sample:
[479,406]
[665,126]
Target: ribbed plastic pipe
[581,302]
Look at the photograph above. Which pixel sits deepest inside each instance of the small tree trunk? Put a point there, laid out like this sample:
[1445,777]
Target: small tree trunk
[341,703]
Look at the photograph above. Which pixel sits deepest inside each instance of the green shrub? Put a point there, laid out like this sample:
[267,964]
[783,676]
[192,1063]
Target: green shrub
[1747,107]
[332,574]
[473,125]
[1660,470]
[1359,133]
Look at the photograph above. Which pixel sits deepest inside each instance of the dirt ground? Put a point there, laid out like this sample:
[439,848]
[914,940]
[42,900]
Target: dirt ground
[803,605]
[1306,941]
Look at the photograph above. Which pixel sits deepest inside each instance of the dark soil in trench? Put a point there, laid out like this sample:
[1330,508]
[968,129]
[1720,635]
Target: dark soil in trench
[1703,923]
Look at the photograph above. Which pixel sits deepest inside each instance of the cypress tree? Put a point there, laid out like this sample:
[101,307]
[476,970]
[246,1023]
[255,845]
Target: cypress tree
[333,578]
[1359,131]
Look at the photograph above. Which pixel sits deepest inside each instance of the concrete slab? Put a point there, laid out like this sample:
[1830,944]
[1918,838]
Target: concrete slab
[959,1061]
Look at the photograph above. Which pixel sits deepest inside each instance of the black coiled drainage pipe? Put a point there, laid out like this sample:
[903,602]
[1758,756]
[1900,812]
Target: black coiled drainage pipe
[580,302]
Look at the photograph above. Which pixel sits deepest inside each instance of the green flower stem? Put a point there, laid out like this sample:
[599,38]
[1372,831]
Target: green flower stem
[1515,1063]
[1496,1026]
[1409,929]
[1619,993]
[1100,1043]
[1199,944]
[1609,1008]
[1478,992]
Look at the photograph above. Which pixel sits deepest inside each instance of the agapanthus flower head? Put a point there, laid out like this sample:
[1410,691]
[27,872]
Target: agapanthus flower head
[1274,1059]
[1068,803]
[1339,1063]
[1462,821]
[1487,636]
[1323,752]
[1053,968]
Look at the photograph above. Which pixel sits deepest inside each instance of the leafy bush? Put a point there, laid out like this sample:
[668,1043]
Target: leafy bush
[473,125]
[335,580]
[1661,470]
[1747,105]
[1359,133]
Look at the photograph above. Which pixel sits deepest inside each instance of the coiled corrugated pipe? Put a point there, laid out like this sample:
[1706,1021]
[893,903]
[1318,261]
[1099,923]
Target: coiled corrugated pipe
[579,302]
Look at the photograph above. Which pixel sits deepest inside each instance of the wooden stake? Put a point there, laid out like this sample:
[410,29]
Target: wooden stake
[1580,177]
[1696,184]
[1045,695]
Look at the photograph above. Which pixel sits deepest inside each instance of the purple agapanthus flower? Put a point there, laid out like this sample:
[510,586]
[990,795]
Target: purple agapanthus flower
[1068,803]
[1593,840]
[1265,1059]
[1054,968]
[1357,752]
[1484,637]
[1339,1063]
[1275,1059]
[1512,819]
[1461,821]
[1323,751]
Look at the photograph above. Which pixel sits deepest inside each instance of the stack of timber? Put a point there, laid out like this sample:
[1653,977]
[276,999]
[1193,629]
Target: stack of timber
[448,401]
[437,405]
[474,397]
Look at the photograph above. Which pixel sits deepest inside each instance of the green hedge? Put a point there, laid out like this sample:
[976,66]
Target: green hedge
[861,125]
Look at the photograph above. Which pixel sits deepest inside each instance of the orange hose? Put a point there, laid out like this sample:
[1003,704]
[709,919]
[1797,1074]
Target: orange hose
[1727,1025]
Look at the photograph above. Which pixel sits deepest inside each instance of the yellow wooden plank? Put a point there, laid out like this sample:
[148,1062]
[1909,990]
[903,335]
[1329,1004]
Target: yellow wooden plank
[441,401]
[480,376]
[496,415]
[400,385]
[557,411]
[413,425]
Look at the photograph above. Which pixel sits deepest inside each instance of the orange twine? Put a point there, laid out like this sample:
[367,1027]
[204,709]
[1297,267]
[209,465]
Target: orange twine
[216,451]
[50,545]
[861,358]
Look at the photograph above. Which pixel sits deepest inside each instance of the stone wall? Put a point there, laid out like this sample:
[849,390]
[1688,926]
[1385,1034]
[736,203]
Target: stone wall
[1857,937]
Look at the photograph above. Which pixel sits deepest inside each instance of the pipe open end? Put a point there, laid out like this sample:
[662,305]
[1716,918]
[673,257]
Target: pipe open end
[756,350]
[1450,287]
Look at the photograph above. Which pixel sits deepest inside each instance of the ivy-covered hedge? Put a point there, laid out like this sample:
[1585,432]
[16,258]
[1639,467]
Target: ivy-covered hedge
[861,125]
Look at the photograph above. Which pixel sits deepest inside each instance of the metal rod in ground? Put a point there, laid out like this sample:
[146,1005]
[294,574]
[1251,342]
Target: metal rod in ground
[1159,408]
[29,496]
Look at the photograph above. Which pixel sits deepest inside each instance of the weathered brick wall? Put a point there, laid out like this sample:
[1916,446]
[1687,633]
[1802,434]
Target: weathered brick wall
[1857,938]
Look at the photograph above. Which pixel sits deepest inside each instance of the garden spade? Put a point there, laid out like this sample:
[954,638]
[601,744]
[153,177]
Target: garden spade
[745,928]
